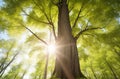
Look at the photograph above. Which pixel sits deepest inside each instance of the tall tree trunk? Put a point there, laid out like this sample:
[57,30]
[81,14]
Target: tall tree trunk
[46,66]
[67,61]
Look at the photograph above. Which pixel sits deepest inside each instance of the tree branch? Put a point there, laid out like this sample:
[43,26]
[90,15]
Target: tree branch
[3,62]
[71,9]
[53,26]
[34,18]
[25,71]
[78,16]
[51,23]
[3,69]
[86,29]
[34,34]
[49,20]
[53,29]
[42,11]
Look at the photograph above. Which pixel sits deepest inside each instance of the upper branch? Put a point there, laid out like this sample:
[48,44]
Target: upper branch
[78,16]
[41,8]
[48,19]
[53,29]
[34,34]
[86,29]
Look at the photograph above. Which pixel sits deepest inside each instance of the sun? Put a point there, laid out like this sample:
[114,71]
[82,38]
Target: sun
[51,48]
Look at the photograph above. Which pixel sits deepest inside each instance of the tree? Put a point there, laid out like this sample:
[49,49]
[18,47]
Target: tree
[67,61]
[67,19]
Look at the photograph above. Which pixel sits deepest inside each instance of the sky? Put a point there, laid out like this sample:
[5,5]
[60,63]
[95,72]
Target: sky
[1,3]
[4,35]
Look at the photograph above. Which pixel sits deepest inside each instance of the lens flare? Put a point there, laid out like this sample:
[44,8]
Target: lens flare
[51,48]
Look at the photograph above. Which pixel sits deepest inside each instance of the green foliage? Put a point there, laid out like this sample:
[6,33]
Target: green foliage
[99,49]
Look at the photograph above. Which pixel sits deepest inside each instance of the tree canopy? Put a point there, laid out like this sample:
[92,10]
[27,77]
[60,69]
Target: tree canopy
[27,27]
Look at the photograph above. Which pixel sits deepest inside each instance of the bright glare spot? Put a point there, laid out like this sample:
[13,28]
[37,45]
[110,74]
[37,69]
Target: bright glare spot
[4,35]
[51,48]
[22,38]
[104,30]
[26,77]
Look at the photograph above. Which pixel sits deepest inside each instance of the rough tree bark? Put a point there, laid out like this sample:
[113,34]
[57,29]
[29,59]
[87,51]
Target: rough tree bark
[67,61]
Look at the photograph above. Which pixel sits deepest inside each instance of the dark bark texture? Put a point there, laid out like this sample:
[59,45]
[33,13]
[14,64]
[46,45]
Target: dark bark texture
[67,61]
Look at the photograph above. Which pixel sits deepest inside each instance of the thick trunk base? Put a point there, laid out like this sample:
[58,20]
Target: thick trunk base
[67,61]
